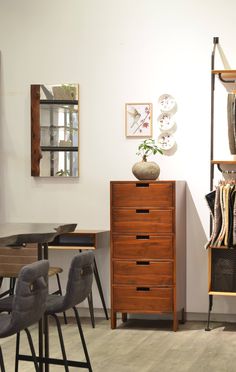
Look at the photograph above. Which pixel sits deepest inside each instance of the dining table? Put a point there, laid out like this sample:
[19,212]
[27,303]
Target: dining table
[18,234]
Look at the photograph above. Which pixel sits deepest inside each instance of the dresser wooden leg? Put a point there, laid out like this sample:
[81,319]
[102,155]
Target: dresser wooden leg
[113,320]
[124,317]
[175,322]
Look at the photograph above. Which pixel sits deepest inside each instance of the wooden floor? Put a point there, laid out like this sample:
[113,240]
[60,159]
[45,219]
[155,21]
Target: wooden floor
[142,346]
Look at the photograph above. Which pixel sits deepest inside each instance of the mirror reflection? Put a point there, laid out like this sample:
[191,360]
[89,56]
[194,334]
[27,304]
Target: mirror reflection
[55,130]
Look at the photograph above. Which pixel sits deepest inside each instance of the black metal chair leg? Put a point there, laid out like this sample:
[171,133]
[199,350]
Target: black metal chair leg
[97,278]
[2,361]
[40,344]
[91,309]
[17,352]
[31,345]
[82,339]
[60,293]
[12,286]
[209,313]
[46,341]
[63,351]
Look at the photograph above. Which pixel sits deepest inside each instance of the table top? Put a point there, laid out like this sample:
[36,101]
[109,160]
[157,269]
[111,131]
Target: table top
[19,233]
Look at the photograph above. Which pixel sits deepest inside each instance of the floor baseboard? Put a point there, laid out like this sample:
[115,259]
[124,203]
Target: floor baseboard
[190,316]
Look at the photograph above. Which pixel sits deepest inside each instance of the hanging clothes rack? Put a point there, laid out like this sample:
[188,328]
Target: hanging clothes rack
[222,254]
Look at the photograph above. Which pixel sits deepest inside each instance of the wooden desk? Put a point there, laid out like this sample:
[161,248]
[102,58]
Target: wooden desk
[80,240]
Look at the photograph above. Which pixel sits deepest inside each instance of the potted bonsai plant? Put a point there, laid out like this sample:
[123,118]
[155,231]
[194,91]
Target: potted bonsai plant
[147,170]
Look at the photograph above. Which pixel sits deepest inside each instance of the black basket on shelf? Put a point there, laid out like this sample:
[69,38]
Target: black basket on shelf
[223,271]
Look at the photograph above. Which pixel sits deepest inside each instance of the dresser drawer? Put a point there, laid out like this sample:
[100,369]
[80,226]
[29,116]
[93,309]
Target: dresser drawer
[141,194]
[142,299]
[142,272]
[145,246]
[142,220]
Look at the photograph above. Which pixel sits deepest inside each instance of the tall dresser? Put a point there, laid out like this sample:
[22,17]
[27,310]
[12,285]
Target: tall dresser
[148,249]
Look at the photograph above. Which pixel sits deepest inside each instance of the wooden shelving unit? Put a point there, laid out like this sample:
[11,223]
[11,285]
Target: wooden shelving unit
[228,79]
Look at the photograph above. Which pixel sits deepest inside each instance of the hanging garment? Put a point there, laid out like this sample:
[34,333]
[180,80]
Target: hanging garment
[231,112]
[210,199]
[234,222]
[223,215]
[231,216]
[217,219]
[221,235]
[213,201]
[226,211]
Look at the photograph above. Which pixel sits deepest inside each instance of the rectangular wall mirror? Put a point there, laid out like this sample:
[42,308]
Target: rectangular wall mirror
[55,130]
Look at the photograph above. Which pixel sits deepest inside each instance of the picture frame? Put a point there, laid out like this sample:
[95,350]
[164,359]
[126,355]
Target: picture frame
[138,119]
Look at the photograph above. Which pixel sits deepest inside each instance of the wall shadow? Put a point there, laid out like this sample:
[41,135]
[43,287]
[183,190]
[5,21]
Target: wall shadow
[2,165]
[197,259]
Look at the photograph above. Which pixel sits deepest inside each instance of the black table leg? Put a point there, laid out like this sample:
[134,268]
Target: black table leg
[40,337]
[45,320]
[46,342]
[40,251]
[45,251]
[100,288]
[40,324]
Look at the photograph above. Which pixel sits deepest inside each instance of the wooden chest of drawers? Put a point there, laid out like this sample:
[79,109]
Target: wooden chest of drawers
[148,248]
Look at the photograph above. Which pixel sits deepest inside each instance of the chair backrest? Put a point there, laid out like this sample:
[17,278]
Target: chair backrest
[80,279]
[29,302]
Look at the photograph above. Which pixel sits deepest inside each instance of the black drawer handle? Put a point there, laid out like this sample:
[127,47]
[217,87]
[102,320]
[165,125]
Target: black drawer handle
[144,263]
[142,237]
[142,210]
[142,184]
[143,289]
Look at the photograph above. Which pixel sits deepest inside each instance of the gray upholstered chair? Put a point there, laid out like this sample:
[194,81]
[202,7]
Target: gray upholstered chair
[27,306]
[79,286]
[13,258]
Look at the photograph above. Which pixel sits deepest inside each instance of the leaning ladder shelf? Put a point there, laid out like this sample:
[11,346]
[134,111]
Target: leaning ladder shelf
[228,79]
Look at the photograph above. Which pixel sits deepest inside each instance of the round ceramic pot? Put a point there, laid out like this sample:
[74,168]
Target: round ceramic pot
[146,170]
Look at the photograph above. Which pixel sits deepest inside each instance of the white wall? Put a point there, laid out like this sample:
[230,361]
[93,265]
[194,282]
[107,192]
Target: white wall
[118,51]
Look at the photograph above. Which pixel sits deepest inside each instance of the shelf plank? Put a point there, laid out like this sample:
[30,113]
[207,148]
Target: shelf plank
[230,72]
[60,148]
[222,293]
[59,102]
[227,78]
[220,247]
[232,162]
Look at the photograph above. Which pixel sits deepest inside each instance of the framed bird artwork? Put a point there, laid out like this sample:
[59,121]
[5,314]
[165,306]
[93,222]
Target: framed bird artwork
[138,119]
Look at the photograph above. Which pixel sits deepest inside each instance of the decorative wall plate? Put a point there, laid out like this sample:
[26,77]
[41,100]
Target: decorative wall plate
[166,141]
[166,102]
[165,121]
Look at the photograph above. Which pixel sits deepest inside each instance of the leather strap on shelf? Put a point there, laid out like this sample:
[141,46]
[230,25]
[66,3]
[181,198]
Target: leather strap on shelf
[223,57]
